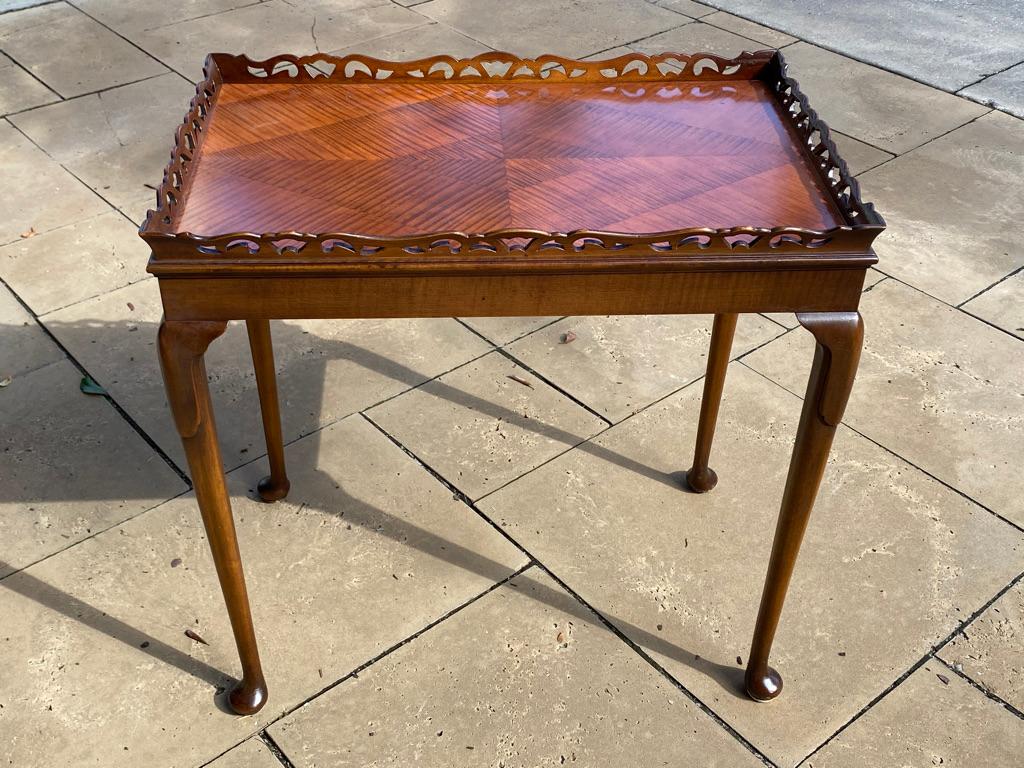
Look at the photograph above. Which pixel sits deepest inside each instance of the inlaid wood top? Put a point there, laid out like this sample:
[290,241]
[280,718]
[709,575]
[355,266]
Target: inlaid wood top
[671,161]
[411,158]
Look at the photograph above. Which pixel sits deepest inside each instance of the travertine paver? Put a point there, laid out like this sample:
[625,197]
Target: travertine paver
[697,36]
[688,7]
[70,52]
[934,385]
[58,448]
[19,90]
[251,753]
[527,29]
[620,364]
[26,345]
[788,319]
[881,108]
[892,561]
[480,428]
[859,156]
[270,28]
[327,369]
[948,44]
[368,550]
[102,253]
[524,676]
[989,650]
[1004,90]
[769,37]
[1002,305]
[928,722]
[36,194]
[148,14]
[416,43]
[503,330]
[116,141]
[951,209]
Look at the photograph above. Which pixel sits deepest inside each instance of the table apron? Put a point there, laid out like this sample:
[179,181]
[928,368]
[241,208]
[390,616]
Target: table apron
[489,295]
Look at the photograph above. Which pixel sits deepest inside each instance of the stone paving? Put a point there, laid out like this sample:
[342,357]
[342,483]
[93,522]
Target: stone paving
[469,571]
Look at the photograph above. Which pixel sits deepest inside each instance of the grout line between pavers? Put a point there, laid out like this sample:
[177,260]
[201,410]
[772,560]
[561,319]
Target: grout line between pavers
[354,673]
[534,561]
[33,75]
[979,687]
[275,749]
[853,57]
[97,92]
[888,450]
[986,77]
[130,42]
[568,395]
[930,655]
[989,288]
[107,396]
[956,307]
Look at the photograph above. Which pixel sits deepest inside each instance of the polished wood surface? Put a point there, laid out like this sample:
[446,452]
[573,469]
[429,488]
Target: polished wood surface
[406,159]
[437,188]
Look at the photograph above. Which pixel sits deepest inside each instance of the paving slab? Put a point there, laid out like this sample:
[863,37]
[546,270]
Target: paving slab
[1002,305]
[149,14]
[935,386]
[327,369]
[927,721]
[947,44]
[885,110]
[70,52]
[118,141]
[19,90]
[481,428]
[368,550]
[891,564]
[988,650]
[36,194]
[859,157]
[620,364]
[251,753]
[687,7]
[766,35]
[1004,90]
[950,208]
[523,676]
[59,447]
[503,330]
[418,43]
[698,37]
[74,263]
[273,27]
[26,345]
[535,27]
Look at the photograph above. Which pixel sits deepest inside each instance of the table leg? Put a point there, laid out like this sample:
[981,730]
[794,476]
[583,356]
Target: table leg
[701,478]
[182,348]
[274,486]
[839,336]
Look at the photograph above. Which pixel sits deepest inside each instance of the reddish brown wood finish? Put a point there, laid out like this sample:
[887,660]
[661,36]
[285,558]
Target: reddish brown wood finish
[485,186]
[701,478]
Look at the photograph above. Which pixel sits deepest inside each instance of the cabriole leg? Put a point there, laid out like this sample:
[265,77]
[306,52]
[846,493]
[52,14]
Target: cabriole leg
[701,478]
[182,349]
[275,486]
[839,336]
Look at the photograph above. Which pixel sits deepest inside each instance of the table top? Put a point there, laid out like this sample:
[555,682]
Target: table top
[444,157]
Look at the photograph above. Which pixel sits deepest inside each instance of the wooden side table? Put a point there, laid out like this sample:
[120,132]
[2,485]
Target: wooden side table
[324,187]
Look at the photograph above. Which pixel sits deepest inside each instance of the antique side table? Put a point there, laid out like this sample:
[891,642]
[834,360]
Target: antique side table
[324,187]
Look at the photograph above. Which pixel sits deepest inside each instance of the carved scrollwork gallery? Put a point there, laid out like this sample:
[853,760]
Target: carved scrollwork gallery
[768,66]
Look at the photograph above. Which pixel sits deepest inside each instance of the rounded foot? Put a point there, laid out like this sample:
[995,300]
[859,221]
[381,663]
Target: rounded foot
[701,480]
[764,687]
[270,490]
[246,699]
